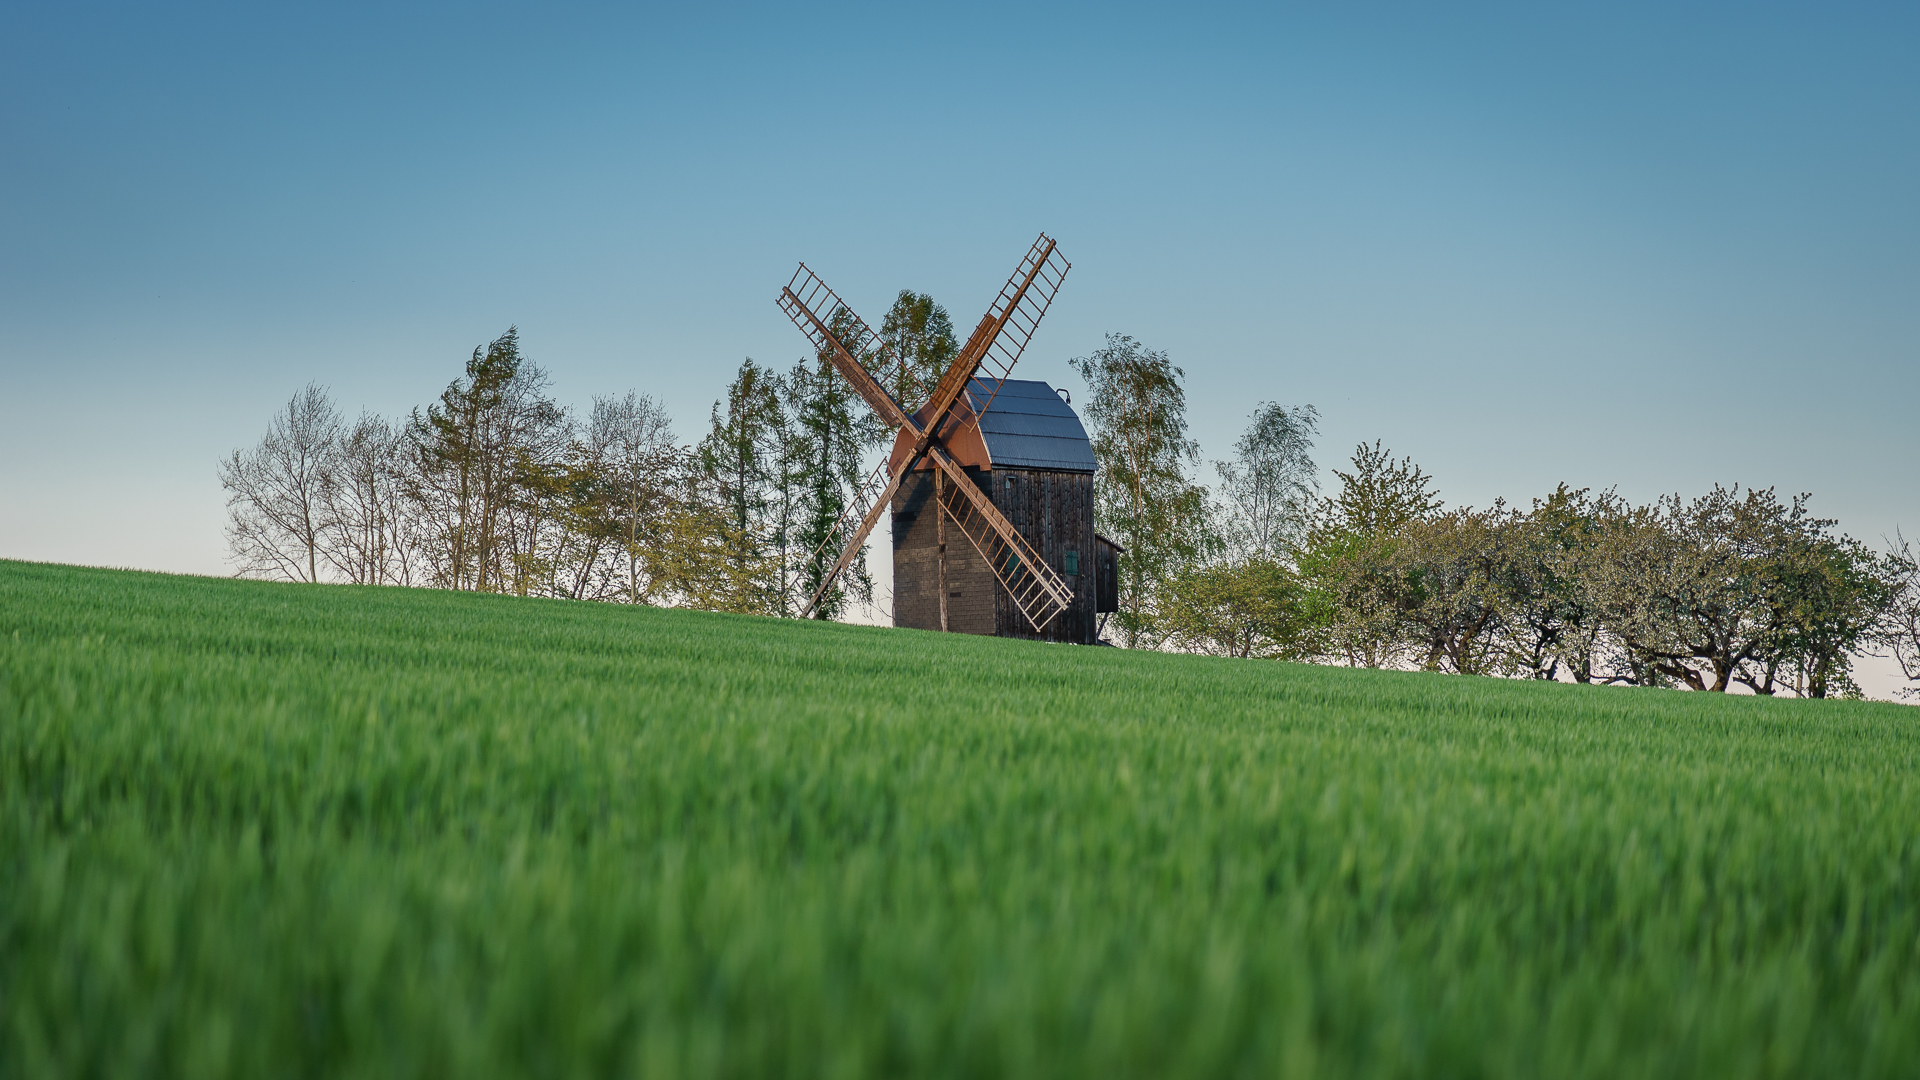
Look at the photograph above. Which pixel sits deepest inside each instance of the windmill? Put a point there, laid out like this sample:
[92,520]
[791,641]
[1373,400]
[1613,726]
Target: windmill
[944,437]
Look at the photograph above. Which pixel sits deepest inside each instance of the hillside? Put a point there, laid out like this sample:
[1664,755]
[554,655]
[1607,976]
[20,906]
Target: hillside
[254,829]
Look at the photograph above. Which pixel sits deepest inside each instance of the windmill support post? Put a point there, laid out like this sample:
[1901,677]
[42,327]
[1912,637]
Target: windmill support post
[940,523]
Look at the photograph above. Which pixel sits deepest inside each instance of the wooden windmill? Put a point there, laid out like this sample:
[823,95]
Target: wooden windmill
[944,458]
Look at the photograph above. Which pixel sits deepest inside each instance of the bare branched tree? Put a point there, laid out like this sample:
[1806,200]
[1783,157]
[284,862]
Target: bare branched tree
[277,492]
[1899,630]
[366,532]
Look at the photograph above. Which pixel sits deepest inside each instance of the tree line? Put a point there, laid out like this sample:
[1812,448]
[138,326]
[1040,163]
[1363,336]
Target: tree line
[496,487]
[1734,587]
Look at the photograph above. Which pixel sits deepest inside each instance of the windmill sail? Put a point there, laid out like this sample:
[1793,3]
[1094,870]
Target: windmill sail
[849,531]
[1037,591]
[1003,332]
[843,338]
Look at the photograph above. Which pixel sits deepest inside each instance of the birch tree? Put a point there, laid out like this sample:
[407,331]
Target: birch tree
[1137,410]
[1269,488]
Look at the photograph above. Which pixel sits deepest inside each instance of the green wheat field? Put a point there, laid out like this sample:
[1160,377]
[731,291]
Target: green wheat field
[257,830]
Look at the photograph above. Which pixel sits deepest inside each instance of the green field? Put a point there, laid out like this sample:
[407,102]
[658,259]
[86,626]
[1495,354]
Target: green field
[272,830]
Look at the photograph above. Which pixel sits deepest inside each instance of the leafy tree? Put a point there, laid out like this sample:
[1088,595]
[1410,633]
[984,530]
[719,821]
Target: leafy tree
[615,487]
[479,445]
[1269,488]
[1834,593]
[1449,576]
[920,335]
[1552,623]
[1355,595]
[1138,412]
[1380,495]
[747,456]
[833,430]
[1246,608]
[1701,592]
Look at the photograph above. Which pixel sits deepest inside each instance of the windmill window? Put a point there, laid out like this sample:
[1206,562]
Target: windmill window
[1073,563]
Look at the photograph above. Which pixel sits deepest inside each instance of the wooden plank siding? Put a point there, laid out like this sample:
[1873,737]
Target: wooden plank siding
[1052,510]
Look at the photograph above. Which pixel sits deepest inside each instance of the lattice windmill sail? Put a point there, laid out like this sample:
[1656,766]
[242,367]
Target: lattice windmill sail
[951,417]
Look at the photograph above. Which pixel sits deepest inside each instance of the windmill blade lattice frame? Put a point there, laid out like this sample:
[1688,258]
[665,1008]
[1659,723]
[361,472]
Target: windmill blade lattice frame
[806,295]
[849,531]
[1037,592]
[1003,332]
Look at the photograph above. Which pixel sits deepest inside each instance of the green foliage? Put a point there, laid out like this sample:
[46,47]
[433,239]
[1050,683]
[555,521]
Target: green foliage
[1551,622]
[833,430]
[1451,579]
[1350,566]
[1248,607]
[748,457]
[1380,495]
[1269,488]
[250,829]
[1137,412]
[487,441]
[919,334]
[1898,628]
[1732,588]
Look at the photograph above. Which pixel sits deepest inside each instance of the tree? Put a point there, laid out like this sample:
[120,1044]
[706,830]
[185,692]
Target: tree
[367,536]
[1246,608]
[696,560]
[277,492]
[480,447]
[745,458]
[1380,495]
[1354,592]
[1835,593]
[920,336]
[604,500]
[1551,620]
[1449,576]
[1269,488]
[833,431]
[1137,410]
[641,471]
[1899,628]
[1702,593]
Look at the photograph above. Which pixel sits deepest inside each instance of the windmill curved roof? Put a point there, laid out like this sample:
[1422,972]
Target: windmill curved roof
[1029,427]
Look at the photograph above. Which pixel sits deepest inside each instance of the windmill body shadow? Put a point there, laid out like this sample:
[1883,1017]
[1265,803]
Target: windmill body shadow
[990,482]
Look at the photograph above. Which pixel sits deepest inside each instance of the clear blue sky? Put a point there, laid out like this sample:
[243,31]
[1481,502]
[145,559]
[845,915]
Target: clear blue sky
[1651,246]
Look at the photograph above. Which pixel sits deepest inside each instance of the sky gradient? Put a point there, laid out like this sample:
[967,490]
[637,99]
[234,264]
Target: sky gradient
[1649,247]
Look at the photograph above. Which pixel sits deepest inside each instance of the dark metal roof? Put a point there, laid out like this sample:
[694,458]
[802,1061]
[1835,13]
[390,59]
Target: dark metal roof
[1029,427]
